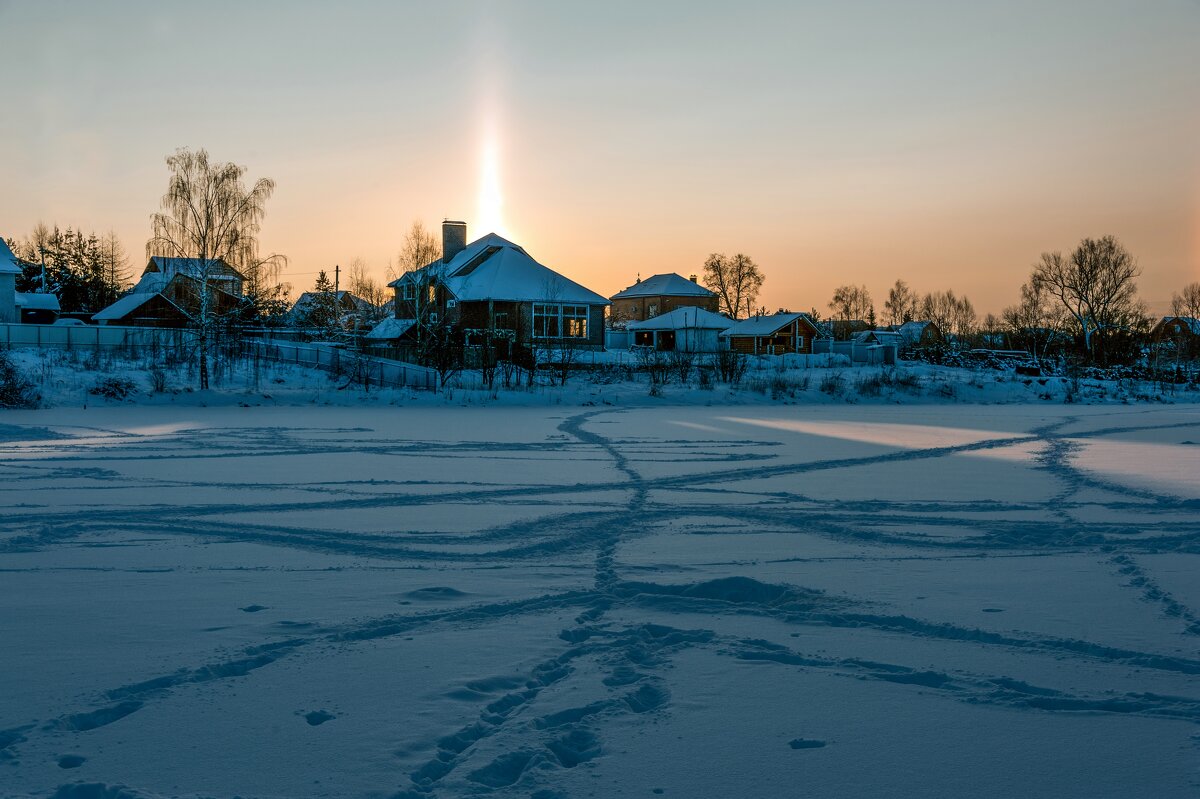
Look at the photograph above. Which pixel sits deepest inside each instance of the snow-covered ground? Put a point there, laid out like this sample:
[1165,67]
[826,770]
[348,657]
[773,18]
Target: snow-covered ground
[560,601]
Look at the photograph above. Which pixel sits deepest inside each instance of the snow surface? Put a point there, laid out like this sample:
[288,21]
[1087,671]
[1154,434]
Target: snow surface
[559,601]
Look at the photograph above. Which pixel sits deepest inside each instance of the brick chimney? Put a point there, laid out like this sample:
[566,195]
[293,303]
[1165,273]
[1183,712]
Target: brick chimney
[454,239]
[693,278]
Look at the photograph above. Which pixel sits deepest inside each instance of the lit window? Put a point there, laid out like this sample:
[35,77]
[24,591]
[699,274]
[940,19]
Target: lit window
[575,321]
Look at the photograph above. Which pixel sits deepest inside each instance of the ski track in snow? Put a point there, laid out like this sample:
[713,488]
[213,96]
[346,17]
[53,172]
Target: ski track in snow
[531,745]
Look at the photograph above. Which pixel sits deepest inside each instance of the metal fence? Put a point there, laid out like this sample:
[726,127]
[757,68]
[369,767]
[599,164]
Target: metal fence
[365,369]
[98,337]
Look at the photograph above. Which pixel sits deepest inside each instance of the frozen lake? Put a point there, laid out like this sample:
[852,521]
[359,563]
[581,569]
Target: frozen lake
[942,600]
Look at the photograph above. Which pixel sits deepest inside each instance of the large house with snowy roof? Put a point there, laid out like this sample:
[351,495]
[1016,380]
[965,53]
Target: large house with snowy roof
[168,293]
[776,334]
[492,287]
[658,295]
[1179,333]
[10,270]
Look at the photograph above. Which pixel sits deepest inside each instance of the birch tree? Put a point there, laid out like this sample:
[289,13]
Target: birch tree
[209,215]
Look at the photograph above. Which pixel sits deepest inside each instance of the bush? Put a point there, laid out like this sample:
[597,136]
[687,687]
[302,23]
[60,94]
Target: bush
[16,389]
[117,388]
[833,384]
[730,366]
[158,379]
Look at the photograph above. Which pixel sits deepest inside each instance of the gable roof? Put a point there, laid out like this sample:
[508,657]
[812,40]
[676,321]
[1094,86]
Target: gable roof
[344,300]
[767,325]
[192,267]
[879,336]
[391,328]
[128,304]
[914,330]
[493,268]
[669,284]
[8,261]
[683,318]
[36,302]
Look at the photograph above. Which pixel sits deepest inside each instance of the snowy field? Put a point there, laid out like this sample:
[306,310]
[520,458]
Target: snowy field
[761,601]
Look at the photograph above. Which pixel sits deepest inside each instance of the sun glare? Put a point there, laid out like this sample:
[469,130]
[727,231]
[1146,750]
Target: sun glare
[489,214]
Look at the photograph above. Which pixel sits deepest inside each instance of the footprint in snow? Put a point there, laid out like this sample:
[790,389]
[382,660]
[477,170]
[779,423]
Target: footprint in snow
[805,743]
[253,608]
[318,717]
[71,761]
[993,610]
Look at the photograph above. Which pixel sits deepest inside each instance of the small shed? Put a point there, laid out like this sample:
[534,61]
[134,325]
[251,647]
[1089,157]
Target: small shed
[684,329]
[773,335]
[37,309]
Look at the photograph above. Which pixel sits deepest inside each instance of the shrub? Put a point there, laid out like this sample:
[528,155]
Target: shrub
[117,388]
[16,389]
[730,366]
[833,384]
[158,379]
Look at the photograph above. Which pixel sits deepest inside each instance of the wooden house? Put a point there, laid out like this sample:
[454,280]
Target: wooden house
[921,334]
[169,293]
[657,295]
[492,288]
[10,270]
[1178,333]
[773,335]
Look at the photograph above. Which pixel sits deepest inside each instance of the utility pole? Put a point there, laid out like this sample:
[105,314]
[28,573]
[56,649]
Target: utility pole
[336,270]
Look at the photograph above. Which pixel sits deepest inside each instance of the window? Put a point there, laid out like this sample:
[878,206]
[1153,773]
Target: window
[545,320]
[799,342]
[408,291]
[500,321]
[575,321]
[551,320]
[432,293]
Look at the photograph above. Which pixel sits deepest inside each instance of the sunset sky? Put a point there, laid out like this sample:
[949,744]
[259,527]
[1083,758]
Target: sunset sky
[946,143]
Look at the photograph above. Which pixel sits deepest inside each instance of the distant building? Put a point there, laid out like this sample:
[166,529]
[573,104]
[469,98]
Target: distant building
[921,334]
[36,308]
[1178,333]
[682,330]
[773,335]
[169,293]
[346,302]
[659,295]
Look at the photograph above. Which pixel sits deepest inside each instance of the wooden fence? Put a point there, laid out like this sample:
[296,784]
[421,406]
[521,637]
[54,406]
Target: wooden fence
[98,337]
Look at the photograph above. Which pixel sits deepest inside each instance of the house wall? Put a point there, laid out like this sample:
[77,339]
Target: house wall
[637,309]
[8,297]
[782,341]
[156,312]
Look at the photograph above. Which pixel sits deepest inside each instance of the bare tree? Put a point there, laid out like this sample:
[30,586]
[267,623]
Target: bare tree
[1187,302]
[367,289]
[901,304]
[1034,319]
[851,302]
[208,215]
[735,280]
[420,249]
[1095,286]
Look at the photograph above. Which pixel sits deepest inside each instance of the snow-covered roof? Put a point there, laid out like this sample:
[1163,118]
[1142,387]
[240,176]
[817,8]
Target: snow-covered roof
[683,318]
[391,328]
[39,302]
[127,305]
[151,283]
[309,297]
[669,284]
[766,325]
[8,261]
[913,330]
[878,336]
[493,268]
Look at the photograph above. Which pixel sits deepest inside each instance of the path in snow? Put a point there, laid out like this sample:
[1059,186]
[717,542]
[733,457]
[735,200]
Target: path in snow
[690,601]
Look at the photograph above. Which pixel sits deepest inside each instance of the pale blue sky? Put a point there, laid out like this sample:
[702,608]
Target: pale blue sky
[945,143]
